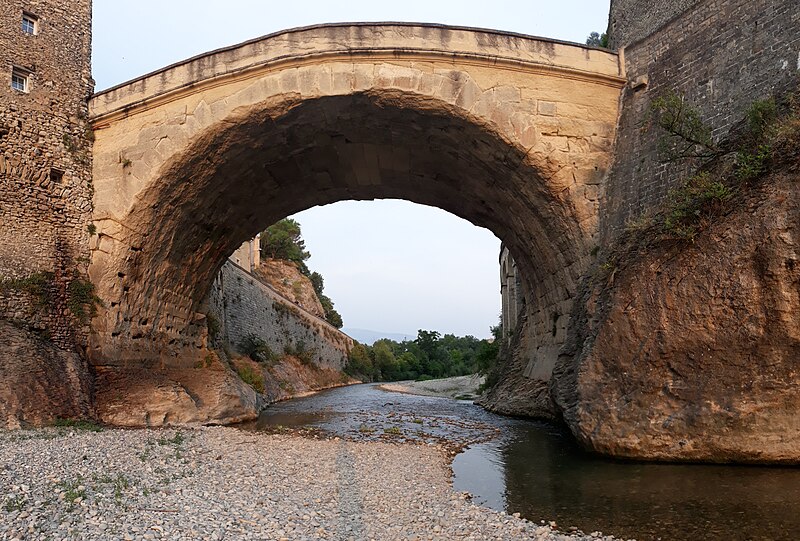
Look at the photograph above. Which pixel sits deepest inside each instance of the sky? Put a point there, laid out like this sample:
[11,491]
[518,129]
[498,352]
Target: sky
[415,267]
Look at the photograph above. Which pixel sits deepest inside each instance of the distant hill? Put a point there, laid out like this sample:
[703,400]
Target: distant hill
[369,337]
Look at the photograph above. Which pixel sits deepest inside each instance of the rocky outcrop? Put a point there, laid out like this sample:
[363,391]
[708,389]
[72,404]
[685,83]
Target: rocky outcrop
[209,393]
[40,382]
[690,352]
[516,392]
[290,377]
[285,278]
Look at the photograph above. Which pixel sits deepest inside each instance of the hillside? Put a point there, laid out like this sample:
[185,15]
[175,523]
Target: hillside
[285,278]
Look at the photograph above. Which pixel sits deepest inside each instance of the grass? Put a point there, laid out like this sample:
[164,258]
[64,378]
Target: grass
[120,484]
[73,490]
[78,424]
[177,440]
[15,503]
[393,430]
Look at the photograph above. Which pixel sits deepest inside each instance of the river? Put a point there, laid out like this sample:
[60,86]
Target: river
[537,470]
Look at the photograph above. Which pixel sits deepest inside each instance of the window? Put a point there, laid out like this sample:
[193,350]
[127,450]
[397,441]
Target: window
[20,80]
[30,23]
[56,175]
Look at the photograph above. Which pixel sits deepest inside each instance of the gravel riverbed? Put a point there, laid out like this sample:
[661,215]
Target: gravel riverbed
[222,483]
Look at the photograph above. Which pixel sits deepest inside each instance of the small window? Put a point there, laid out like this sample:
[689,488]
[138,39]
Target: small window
[20,80]
[56,175]
[30,23]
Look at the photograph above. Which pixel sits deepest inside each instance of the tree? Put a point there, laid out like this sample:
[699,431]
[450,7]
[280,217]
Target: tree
[283,240]
[331,315]
[596,39]
[359,363]
[318,282]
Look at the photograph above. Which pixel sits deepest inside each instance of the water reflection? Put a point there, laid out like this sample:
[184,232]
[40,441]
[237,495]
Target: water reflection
[537,470]
[547,477]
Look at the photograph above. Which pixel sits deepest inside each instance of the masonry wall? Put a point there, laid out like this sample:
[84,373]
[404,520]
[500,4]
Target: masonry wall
[244,306]
[632,20]
[45,162]
[721,55]
[45,206]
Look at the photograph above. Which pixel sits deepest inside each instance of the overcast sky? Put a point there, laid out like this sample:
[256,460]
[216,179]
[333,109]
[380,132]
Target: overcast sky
[413,267]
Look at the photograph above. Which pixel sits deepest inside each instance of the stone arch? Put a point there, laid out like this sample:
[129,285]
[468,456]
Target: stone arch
[511,133]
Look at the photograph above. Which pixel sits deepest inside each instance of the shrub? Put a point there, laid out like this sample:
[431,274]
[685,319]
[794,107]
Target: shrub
[761,117]
[256,348]
[686,135]
[699,199]
[38,285]
[751,165]
[251,376]
[78,424]
[81,299]
[213,325]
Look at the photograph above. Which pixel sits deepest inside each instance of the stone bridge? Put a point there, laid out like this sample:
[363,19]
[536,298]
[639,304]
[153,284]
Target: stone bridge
[510,132]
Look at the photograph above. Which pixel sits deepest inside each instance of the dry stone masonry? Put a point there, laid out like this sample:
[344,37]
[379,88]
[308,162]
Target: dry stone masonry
[45,202]
[245,307]
[720,56]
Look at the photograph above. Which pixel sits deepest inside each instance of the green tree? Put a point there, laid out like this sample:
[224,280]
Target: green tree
[331,315]
[359,363]
[318,282]
[283,240]
[597,39]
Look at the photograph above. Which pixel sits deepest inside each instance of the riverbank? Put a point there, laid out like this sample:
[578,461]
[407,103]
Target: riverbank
[460,387]
[224,483]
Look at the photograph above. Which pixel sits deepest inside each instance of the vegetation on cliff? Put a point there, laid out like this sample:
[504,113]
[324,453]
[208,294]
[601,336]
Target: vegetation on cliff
[768,136]
[284,241]
[429,356]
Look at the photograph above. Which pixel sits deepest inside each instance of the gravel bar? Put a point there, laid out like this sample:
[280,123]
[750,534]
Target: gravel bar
[223,483]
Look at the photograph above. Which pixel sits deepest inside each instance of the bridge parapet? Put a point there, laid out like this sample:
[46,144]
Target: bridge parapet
[376,40]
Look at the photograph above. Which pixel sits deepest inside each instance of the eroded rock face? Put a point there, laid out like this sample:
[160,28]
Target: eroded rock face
[211,394]
[38,381]
[693,353]
[518,393]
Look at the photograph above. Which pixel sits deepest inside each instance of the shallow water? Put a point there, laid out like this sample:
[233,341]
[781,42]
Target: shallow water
[537,470]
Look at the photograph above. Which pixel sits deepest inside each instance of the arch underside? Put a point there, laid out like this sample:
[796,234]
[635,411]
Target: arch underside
[287,154]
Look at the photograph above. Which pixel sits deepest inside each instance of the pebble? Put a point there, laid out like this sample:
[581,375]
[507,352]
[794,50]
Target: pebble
[220,483]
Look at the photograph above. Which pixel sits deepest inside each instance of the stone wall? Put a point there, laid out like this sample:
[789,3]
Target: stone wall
[721,55]
[245,306]
[45,159]
[45,206]
[632,20]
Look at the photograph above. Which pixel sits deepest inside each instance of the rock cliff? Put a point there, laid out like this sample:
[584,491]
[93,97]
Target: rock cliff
[40,382]
[690,351]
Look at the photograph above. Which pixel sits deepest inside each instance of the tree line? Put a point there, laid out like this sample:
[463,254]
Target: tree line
[430,355]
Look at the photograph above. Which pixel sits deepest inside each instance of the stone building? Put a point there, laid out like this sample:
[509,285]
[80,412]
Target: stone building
[45,158]
[45,206]
[248,255]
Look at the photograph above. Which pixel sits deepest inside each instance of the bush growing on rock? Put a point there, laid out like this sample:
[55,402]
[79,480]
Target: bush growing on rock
[256,348]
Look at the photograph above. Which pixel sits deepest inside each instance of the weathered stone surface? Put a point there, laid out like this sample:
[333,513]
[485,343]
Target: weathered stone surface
[211,394]
[40,382]
[45,206]
[718,55]
[691,352]
[518,392]
[286,279]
